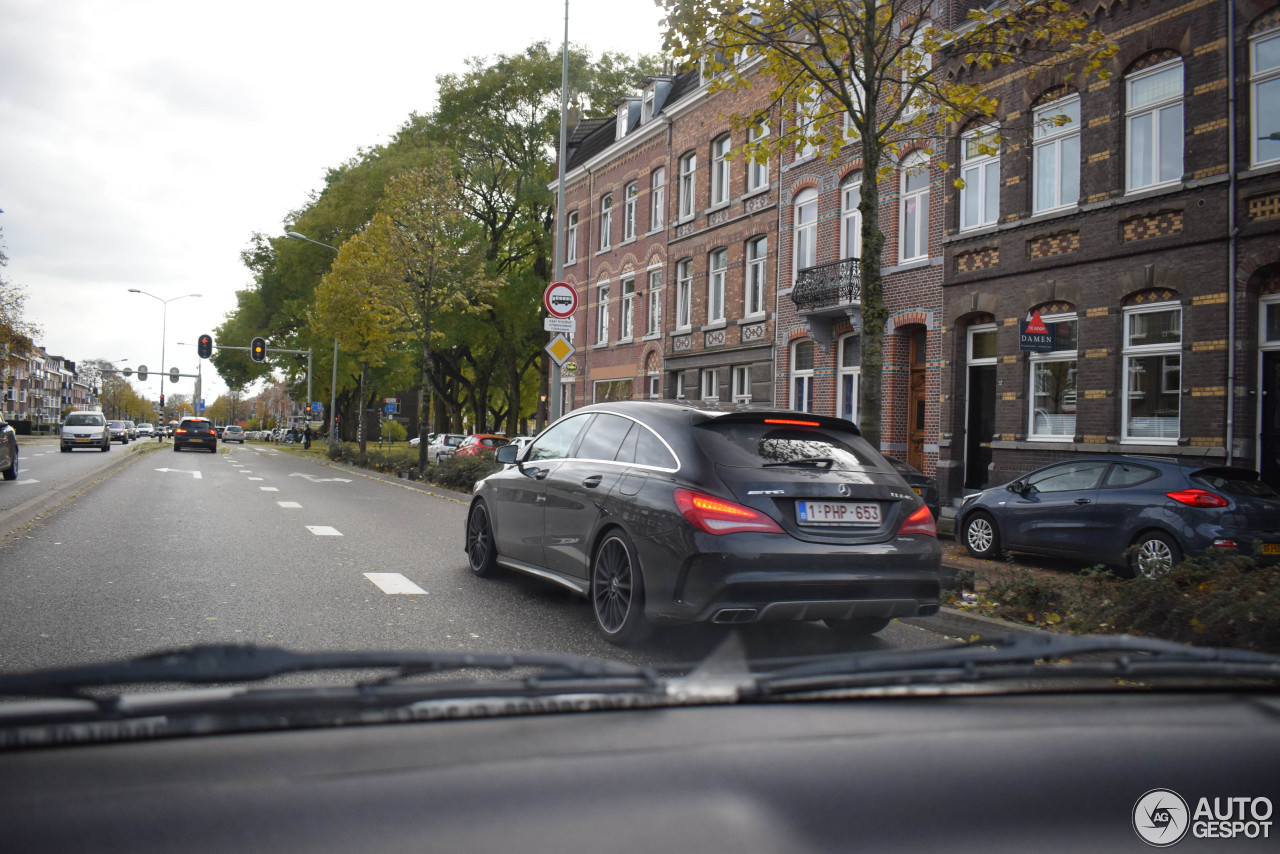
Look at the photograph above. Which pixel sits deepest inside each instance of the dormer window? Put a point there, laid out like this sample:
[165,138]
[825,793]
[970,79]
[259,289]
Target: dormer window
[623,114]
[646,112]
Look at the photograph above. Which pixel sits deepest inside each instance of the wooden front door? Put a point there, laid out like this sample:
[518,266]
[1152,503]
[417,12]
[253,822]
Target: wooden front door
[916,398]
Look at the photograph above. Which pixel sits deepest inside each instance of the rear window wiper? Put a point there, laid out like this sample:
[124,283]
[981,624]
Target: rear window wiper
[823,462]
[1019,656]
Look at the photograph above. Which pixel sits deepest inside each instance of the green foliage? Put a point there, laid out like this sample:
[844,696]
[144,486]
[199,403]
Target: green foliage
[461,473]
[1216,600]
[394,430]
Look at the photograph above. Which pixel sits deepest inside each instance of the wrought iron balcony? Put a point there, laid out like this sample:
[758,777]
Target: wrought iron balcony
[828,286]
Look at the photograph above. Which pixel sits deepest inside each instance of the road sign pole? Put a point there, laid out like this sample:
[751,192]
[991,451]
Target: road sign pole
[553,391]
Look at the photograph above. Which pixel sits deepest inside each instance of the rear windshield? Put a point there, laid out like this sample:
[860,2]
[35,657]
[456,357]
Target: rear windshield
[1244,484]
[117,423]
[757,444]
[74,420]
[197,426]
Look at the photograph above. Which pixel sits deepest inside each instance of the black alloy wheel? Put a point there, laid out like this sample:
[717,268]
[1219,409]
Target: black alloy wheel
[482,553]
[981,536]
[617,590]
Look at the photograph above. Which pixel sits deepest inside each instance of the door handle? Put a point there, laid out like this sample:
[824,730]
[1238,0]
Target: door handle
[1084,501]
[591,482]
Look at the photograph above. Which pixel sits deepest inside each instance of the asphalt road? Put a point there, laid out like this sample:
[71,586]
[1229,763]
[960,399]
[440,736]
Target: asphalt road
[43,470]
[254,545]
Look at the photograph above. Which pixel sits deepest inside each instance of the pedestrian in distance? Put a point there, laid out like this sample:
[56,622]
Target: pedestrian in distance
[306,438]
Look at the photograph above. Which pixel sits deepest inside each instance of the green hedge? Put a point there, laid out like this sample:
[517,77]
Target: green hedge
[459,473]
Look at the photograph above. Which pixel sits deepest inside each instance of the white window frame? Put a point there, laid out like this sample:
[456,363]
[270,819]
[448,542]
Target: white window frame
[717,276]
[684,295]
[602,313]
[1045,358]
[926,62]
[802,380]
[851,218]
[654,299]
[606,221]
[657,199]
[742,384]
[680,385]
[981,175]
[1258,79]
[1156,110]
[720,170]
[710,384]
[655,385]
[807,108]
[631,196]
[755,282]
[646,110]
[626,320]
[914,163]
[571,238]
[1055,143]
[688,185]
[757,173]
[844,371]
[805,238]
[1133,351]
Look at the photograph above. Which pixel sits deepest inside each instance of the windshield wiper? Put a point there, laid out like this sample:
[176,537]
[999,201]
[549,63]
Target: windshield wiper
[824,462]
[222,664]
[1015,657]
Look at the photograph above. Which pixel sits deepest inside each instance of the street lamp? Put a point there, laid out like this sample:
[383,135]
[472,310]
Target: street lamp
[164,320]
[333,385]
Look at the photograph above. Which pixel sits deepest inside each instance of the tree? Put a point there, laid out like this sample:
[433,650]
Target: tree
[860,72]
[17,334]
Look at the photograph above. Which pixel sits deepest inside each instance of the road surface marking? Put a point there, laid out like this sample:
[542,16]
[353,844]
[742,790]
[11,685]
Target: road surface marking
[324,531]
[255,478]
[195,474]
[268,489]
[315,479]
[289,505]
[393,582]
[28,480]
[245,471]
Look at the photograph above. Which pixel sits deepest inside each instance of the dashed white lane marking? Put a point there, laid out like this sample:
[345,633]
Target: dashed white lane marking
[289,505]
[28,480]
[324,531]
[255,478]
[393,582]
[245,471]
[268,488]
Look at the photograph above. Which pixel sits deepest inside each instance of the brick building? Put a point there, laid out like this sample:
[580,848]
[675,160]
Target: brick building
[1143,232]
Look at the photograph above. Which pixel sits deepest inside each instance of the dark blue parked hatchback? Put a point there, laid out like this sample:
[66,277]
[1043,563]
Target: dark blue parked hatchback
[1135,512]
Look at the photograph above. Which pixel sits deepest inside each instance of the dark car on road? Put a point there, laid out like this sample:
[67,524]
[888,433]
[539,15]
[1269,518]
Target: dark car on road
[921,484]
[8,450]
[85,429]
[119,431]
[195,433]
[663,512]
[1138,513]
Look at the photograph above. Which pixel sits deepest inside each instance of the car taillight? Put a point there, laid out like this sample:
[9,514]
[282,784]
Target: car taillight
[792,422]
[1197,498]
[717,516]
[920,522]
[181,430]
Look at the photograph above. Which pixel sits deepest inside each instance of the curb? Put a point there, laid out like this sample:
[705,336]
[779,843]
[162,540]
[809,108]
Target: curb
[954,622]
[392,480]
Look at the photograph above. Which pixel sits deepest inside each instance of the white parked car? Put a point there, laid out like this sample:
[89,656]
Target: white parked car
[443,446]
[146,431]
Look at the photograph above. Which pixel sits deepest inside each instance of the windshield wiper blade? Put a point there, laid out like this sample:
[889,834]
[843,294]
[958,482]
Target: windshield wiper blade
[825,462]
[229,663]
[1017,656]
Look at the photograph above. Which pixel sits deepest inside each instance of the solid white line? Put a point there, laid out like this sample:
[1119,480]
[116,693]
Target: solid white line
[393,582]
[324,531]
[255,478]
[289,505]
[268,489]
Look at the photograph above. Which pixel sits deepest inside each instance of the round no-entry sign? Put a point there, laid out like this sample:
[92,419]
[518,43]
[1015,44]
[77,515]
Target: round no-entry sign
[560,299]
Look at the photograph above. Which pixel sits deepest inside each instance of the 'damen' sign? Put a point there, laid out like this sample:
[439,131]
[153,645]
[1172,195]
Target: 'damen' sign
[1034,335]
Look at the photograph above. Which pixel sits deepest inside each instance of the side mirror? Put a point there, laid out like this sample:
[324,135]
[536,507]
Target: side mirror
[1017,486]
[507,454]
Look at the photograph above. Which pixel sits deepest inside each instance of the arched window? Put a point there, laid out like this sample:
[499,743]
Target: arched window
[630,197]
[720,170]
[806,232]
[657,199]
[913,208]
[606,221]
[851,218]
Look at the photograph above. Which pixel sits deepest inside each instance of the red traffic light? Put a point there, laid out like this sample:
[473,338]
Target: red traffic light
[205,346]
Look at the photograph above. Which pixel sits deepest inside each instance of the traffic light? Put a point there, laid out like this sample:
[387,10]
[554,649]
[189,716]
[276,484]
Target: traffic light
[162,404]
[258,349]
[205,346]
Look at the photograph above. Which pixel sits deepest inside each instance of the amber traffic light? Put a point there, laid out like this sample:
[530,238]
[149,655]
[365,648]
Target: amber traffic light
[258,349]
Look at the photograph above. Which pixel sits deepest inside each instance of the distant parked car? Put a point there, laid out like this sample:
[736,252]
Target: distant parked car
[119,431]
[85,429]
[232,433]
[146,431]
[480,443]
[443,446]
[1139,513]
[133,430]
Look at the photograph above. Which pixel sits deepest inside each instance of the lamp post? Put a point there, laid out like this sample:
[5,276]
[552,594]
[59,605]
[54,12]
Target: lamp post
[164,320]
[333,384]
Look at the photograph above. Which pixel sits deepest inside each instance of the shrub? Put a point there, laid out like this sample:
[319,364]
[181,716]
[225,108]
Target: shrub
[461,473]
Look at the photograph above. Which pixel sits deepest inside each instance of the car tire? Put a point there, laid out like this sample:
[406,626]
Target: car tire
[11,473]
[64,448]
[856,628]
[982,536]
[176,448]
[106,447]
[617,590]
[1154,553]
[482,549]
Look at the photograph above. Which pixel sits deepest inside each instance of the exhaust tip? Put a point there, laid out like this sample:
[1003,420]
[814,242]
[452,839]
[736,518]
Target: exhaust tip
[734,615]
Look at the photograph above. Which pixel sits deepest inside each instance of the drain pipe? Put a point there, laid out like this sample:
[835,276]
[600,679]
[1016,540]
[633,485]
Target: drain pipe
[1232,231]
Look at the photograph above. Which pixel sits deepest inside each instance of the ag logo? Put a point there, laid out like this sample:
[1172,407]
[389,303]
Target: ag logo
[1161,817]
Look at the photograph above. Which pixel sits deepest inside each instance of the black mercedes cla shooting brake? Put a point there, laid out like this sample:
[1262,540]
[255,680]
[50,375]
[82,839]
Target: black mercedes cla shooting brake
[664,512]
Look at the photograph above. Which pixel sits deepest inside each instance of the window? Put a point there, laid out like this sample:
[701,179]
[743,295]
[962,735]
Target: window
[655,385]
[982,345]
[848,378]
[630,197]
[1154,126]
[604,437]
[757,252]
[851,219]
[742,384]
[719,266]
[606,221]
[624,115]
[757,172]
[1053,382]
[571,239]
[657,199]
[710,384]
[922,61]
[688,170]
[684,294]
[720,171]
[680,386]
[1264,86]
[806,228]
[558,440]
[604,391]
[1153,373]
[646,112]
[914,209]
[655,303]
[806,125]
[1056,155]
[626,322]
[1068,477]
[980,171]
[802,376]
[602,316]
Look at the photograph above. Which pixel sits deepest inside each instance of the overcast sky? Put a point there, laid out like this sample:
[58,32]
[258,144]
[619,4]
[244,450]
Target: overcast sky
[142,142]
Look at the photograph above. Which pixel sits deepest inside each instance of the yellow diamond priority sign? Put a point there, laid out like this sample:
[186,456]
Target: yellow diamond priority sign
[560,349]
